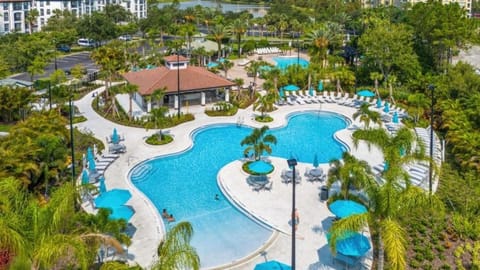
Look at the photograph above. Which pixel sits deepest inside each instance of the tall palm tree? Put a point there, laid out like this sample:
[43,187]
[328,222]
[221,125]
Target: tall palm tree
[390,200]
[254,69]
[31,19]
[258,142]
[238,29]
[376,76]
[174,252]
[367,116]
[218,32]
[130,89]
[351,172]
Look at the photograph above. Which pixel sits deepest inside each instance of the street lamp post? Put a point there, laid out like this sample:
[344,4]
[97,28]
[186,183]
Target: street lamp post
[72,147]
[430,171]
[292,163]
[178,83]
[298,48]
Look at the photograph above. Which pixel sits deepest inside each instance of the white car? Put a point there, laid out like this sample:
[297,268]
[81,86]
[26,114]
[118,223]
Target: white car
[125,37]
[86,42]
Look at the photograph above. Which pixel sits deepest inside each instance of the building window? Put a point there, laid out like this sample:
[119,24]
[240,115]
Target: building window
[42,21]
[5,17]
[41,3]
[26,6]
[5,6]
[18,27]
[48,11]
[17,6]
[41,12]
[48,3]
[6,27]
[17,16]
[65,4]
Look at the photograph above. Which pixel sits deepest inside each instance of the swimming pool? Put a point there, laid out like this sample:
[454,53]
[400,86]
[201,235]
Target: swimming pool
[185,183]
[286,61]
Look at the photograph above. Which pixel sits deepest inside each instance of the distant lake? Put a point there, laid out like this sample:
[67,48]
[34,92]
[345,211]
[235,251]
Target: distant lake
[255,10]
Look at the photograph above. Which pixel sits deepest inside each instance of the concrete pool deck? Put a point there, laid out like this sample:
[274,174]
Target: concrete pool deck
[273,207]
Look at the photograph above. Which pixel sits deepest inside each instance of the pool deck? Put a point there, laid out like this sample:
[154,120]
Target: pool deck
[272,207]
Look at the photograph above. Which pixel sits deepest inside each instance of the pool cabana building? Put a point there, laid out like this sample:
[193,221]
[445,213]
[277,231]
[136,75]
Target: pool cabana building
[197,85]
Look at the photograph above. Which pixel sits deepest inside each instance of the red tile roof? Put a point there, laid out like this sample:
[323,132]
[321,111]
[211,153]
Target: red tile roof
[191,79]
[173,58]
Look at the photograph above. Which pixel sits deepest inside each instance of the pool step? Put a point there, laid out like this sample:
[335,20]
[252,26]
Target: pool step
[141,172]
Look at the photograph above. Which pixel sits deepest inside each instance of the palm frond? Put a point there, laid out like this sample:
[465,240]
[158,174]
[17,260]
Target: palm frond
[342,227]
[394,239]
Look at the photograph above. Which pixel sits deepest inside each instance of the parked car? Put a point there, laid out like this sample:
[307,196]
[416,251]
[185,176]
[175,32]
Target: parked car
[125,37]
[85,42]
[64,48]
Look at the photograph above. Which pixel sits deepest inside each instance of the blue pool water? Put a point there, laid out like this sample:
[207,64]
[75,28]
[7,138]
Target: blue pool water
[284,62]
[186,184]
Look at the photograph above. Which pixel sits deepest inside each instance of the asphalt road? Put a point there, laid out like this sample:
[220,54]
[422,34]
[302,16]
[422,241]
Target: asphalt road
[64,62]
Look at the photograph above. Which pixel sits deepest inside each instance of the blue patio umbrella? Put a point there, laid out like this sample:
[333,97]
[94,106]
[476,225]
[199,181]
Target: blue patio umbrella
[115,137]
[320,85]
[272,265]
[102,188]
[365,93]
[121,212]
[395,118]
[353,244]
[385,166]
[386,108]
[112,198]
[92,166]
[315,160]
[281,92]
[90,154]
[291,87]
[85,178]
[310,91]
[379,103]
[346,208]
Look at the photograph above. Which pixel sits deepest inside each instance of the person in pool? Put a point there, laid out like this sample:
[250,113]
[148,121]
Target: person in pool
[164,213]
[170,218]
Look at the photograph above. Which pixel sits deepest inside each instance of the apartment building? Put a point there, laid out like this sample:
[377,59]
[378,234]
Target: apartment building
[466,4]
[13,13]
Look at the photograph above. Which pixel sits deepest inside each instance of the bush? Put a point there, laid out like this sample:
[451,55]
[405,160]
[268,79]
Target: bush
[414,264]
[263,119]
[222,109]
[159,139]
[445,267]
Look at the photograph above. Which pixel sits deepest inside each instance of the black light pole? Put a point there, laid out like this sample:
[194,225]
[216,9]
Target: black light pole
[70,102]
[292,163]
[298,48]
[50,94]
[178,83]
[430,173]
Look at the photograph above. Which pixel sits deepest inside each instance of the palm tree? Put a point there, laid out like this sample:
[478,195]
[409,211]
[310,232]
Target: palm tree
[31,19]
[158,95]
[238,29]
[351,172]
[218,32]
[389,201]
[175,252]
[254,69]
[264,103]
[367,116]
[130,89]
[375,76]
[417,102]
[258,141]
[47,235]
[225,65]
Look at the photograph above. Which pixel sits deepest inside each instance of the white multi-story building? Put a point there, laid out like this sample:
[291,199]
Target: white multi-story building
[14,12]
[466,4]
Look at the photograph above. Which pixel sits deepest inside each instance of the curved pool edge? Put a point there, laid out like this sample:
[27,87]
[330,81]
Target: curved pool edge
[159,224]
